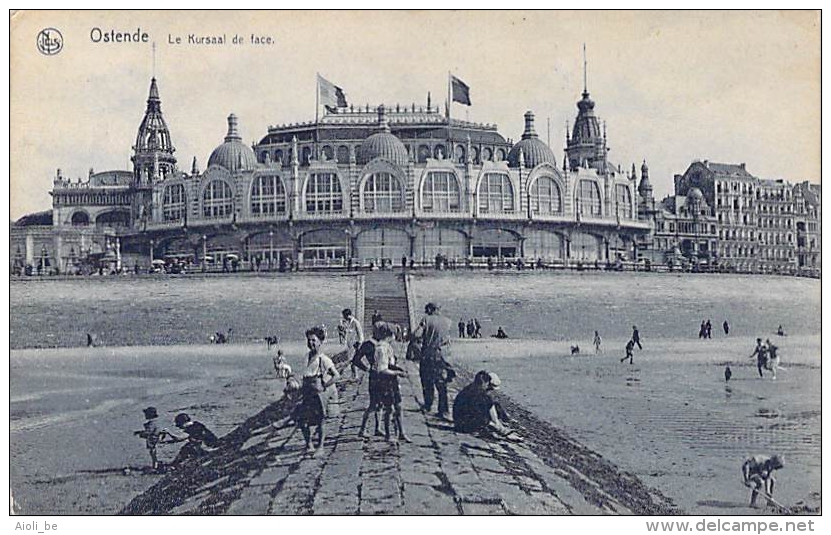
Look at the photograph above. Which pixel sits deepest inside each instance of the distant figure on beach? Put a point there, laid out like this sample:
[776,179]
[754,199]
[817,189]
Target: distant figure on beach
[197,436]
[500,333]
[342,331]
[354,335]
[271,341]
[220,337]
[597,341]
[461,327]
[280,366]
[760,352]
[630,347]
[475,411]
[636,337]
[91,339]
[726,327]
[152,435]
[780,331]
[477,331]
[318,391]
[471,328]
[708,329]
[773,358]
[575,350]
[757,472]
[702,331]
[434,370]
[728,373]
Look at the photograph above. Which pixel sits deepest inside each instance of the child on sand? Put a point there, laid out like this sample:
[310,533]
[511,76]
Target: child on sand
[597,342]
[152,435]
[630,347]
[197,435]
[757,472]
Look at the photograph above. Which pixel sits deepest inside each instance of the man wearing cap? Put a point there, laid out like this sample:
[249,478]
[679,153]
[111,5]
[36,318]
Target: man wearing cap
[758,473]
[474,409]
[434,370]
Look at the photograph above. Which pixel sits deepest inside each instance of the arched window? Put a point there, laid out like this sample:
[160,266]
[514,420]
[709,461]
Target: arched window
[545,196]
[440,192]
[80,218]
[624,201]
[323,194]
[343,154]
[588,198]
[217,200]
[173,203]
[496,195]
[268,196]
[383,192]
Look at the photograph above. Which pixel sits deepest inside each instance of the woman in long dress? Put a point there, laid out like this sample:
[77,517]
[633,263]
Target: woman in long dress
[319,379]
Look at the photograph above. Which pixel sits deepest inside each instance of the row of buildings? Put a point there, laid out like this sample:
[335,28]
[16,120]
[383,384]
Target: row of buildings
[365,186]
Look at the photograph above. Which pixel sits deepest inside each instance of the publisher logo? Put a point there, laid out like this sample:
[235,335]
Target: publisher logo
[50,41]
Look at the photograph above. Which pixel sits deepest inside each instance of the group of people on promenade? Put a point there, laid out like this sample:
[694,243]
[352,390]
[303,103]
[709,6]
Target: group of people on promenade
[315,394]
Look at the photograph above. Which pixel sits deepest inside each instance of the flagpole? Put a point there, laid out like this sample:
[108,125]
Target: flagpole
[317,112]
[449,155]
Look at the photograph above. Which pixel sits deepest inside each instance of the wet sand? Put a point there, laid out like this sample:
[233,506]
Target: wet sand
[670,419]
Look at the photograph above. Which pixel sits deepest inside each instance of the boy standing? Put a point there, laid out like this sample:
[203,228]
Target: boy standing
[151,434]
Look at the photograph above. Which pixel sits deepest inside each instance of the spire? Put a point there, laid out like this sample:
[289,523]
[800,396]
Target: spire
[194,168]
[585,75]
[153,150]
[233,133]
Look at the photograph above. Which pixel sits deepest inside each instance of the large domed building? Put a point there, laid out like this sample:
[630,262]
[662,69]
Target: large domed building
[361,185]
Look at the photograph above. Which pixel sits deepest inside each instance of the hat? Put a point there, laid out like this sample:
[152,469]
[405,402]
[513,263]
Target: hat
[181,419]
[495,381]
[777,461]
[150,412]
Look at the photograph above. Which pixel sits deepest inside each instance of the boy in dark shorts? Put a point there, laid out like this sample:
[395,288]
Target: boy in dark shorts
[197,435]
[367,350]
[152,435]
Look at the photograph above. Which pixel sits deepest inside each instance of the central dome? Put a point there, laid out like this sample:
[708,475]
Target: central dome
[383,144]
[534,150]
[233,155]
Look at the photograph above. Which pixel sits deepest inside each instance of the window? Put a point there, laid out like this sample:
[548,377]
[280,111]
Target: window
[217,199]
[323,194]
[383,192]
[173,203]
[496,195]
[268,196]
[588,198]
[545,196]
[623,200]
[440,192]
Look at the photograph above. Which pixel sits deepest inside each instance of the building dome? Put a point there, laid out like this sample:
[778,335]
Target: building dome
[695,195]
[233,155]
[534,150]
[383,144]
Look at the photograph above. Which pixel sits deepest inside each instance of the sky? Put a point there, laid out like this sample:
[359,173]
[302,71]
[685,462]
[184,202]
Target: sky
[672,86]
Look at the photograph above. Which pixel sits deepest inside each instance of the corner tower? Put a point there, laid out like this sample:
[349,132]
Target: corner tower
[587,144]
[152,158]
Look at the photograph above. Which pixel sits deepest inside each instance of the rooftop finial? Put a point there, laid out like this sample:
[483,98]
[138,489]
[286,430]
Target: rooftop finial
[233,134]
[154,59]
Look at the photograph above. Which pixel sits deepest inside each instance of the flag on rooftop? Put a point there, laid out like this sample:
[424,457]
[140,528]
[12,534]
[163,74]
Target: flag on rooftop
[331,95]
[460,91]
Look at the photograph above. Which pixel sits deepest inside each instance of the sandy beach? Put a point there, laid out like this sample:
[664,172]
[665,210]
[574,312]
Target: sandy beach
[669,419]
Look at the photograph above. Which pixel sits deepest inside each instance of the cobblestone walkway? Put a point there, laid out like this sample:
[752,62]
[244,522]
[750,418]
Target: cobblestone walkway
[440,472]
